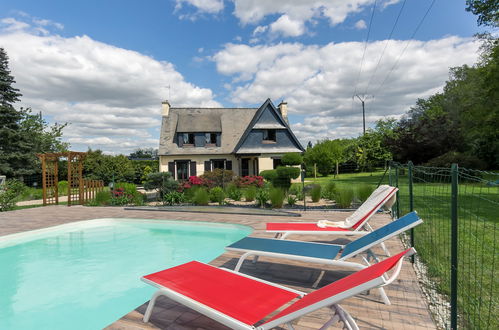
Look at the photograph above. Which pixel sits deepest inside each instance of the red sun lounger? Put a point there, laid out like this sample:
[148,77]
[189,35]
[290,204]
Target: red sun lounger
[383,196]
[240,301]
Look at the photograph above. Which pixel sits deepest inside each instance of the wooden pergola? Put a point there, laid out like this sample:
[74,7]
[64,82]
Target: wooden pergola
[79,189]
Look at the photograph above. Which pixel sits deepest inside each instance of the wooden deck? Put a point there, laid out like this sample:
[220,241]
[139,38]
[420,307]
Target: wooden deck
[408,309]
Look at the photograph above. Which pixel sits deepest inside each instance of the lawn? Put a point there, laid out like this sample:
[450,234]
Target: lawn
[478,201]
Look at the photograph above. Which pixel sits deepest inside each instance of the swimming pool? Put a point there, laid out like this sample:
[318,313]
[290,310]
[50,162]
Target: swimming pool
[85,275]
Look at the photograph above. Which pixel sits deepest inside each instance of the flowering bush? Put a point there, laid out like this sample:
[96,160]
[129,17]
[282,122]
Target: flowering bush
[194,181]
[125,194]
[250,180]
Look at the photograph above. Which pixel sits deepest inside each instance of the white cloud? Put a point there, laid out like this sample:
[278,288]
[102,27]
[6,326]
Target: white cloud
[202,6]
[293,14]
[260,29]
[287,27]
[361,25]
[110,96]
[318,81]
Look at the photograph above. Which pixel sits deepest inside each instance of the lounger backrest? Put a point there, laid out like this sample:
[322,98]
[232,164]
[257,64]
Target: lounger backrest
[346,287]
[378,198]
[381,234]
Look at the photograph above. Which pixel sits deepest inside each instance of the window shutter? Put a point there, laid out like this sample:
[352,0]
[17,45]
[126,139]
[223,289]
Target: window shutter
[207,165]
[193,169]
[171,168]
[228,165]
[180,140]
[219,139]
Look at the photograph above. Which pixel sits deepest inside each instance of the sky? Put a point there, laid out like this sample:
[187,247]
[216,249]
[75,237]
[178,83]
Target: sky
[104,67]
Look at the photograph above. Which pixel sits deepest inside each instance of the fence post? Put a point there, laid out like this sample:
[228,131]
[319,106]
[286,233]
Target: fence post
[397,185]
[454,242]
[410,168]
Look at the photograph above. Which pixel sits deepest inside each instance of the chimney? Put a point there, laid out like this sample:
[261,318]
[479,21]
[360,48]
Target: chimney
[165,108]
[283,108]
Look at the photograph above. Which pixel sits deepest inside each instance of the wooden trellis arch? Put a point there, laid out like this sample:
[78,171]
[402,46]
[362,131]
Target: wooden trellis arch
[79,190]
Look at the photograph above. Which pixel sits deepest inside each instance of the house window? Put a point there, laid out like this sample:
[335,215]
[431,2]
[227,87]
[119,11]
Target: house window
[269,136]
[218,163]
[277,162]
[182,170]
[210,138]
[187,138]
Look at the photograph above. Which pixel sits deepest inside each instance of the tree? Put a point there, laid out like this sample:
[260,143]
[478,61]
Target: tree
[22,133]
[487,11]
[370,147]
[325,155]
[144,153]
[108,168]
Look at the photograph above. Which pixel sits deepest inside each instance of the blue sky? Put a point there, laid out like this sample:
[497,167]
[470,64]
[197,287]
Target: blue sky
[104,66]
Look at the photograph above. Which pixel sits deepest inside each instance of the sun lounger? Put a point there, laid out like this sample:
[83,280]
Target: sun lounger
[328,254]
[242,302]
[355,224]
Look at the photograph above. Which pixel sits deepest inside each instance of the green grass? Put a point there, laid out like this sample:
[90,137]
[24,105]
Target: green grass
[478,288]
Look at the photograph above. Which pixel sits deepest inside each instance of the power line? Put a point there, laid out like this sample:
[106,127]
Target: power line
[365,46]
[386,45]
[406,45]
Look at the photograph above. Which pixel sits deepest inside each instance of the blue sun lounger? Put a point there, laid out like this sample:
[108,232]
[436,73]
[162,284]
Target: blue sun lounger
[325,253]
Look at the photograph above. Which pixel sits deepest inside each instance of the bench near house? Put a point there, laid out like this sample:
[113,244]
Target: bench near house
[244,140]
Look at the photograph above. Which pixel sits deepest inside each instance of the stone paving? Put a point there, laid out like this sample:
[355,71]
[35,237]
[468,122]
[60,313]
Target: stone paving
[407,311]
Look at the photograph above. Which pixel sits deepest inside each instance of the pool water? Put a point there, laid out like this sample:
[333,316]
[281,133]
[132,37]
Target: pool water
[86,275]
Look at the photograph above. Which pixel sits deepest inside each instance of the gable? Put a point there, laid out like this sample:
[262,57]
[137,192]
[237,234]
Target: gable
[266,119]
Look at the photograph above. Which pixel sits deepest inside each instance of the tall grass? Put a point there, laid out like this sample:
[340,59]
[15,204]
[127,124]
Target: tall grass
[276,197]
[344,197]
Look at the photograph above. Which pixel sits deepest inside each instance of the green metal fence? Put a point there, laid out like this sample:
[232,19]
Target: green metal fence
[457,244]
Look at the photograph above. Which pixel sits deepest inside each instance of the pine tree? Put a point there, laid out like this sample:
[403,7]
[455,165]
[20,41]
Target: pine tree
[15,155]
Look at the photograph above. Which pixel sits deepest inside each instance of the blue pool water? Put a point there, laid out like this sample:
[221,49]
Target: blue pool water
[86,275]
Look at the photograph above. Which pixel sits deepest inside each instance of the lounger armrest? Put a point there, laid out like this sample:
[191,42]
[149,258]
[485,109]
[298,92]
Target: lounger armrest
[398,267]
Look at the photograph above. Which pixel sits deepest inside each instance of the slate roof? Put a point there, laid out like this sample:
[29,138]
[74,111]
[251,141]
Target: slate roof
[233,122]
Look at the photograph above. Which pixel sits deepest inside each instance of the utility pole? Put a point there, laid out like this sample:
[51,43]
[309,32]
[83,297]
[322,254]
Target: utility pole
[362,100]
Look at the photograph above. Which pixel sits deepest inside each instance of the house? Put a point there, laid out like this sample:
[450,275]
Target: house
[244,140]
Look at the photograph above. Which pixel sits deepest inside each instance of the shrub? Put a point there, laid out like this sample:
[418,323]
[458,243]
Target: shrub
[300,195]
[29,193]
[234,193]
[315,193]
[281,177]
[269,175]
[218,177]
[125,193]
[9,193]
[217,194]
[276,196]
[249,180]
[200,197]
[364,191]
[102,198]
[162,182]
[291,158]
[330,191]
[294,190]
[344,197]
[62,186]
[291,200]
[174,197]
[250,194]
[262,196]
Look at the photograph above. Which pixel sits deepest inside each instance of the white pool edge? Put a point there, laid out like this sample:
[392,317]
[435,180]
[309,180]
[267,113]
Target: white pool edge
[22,237]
